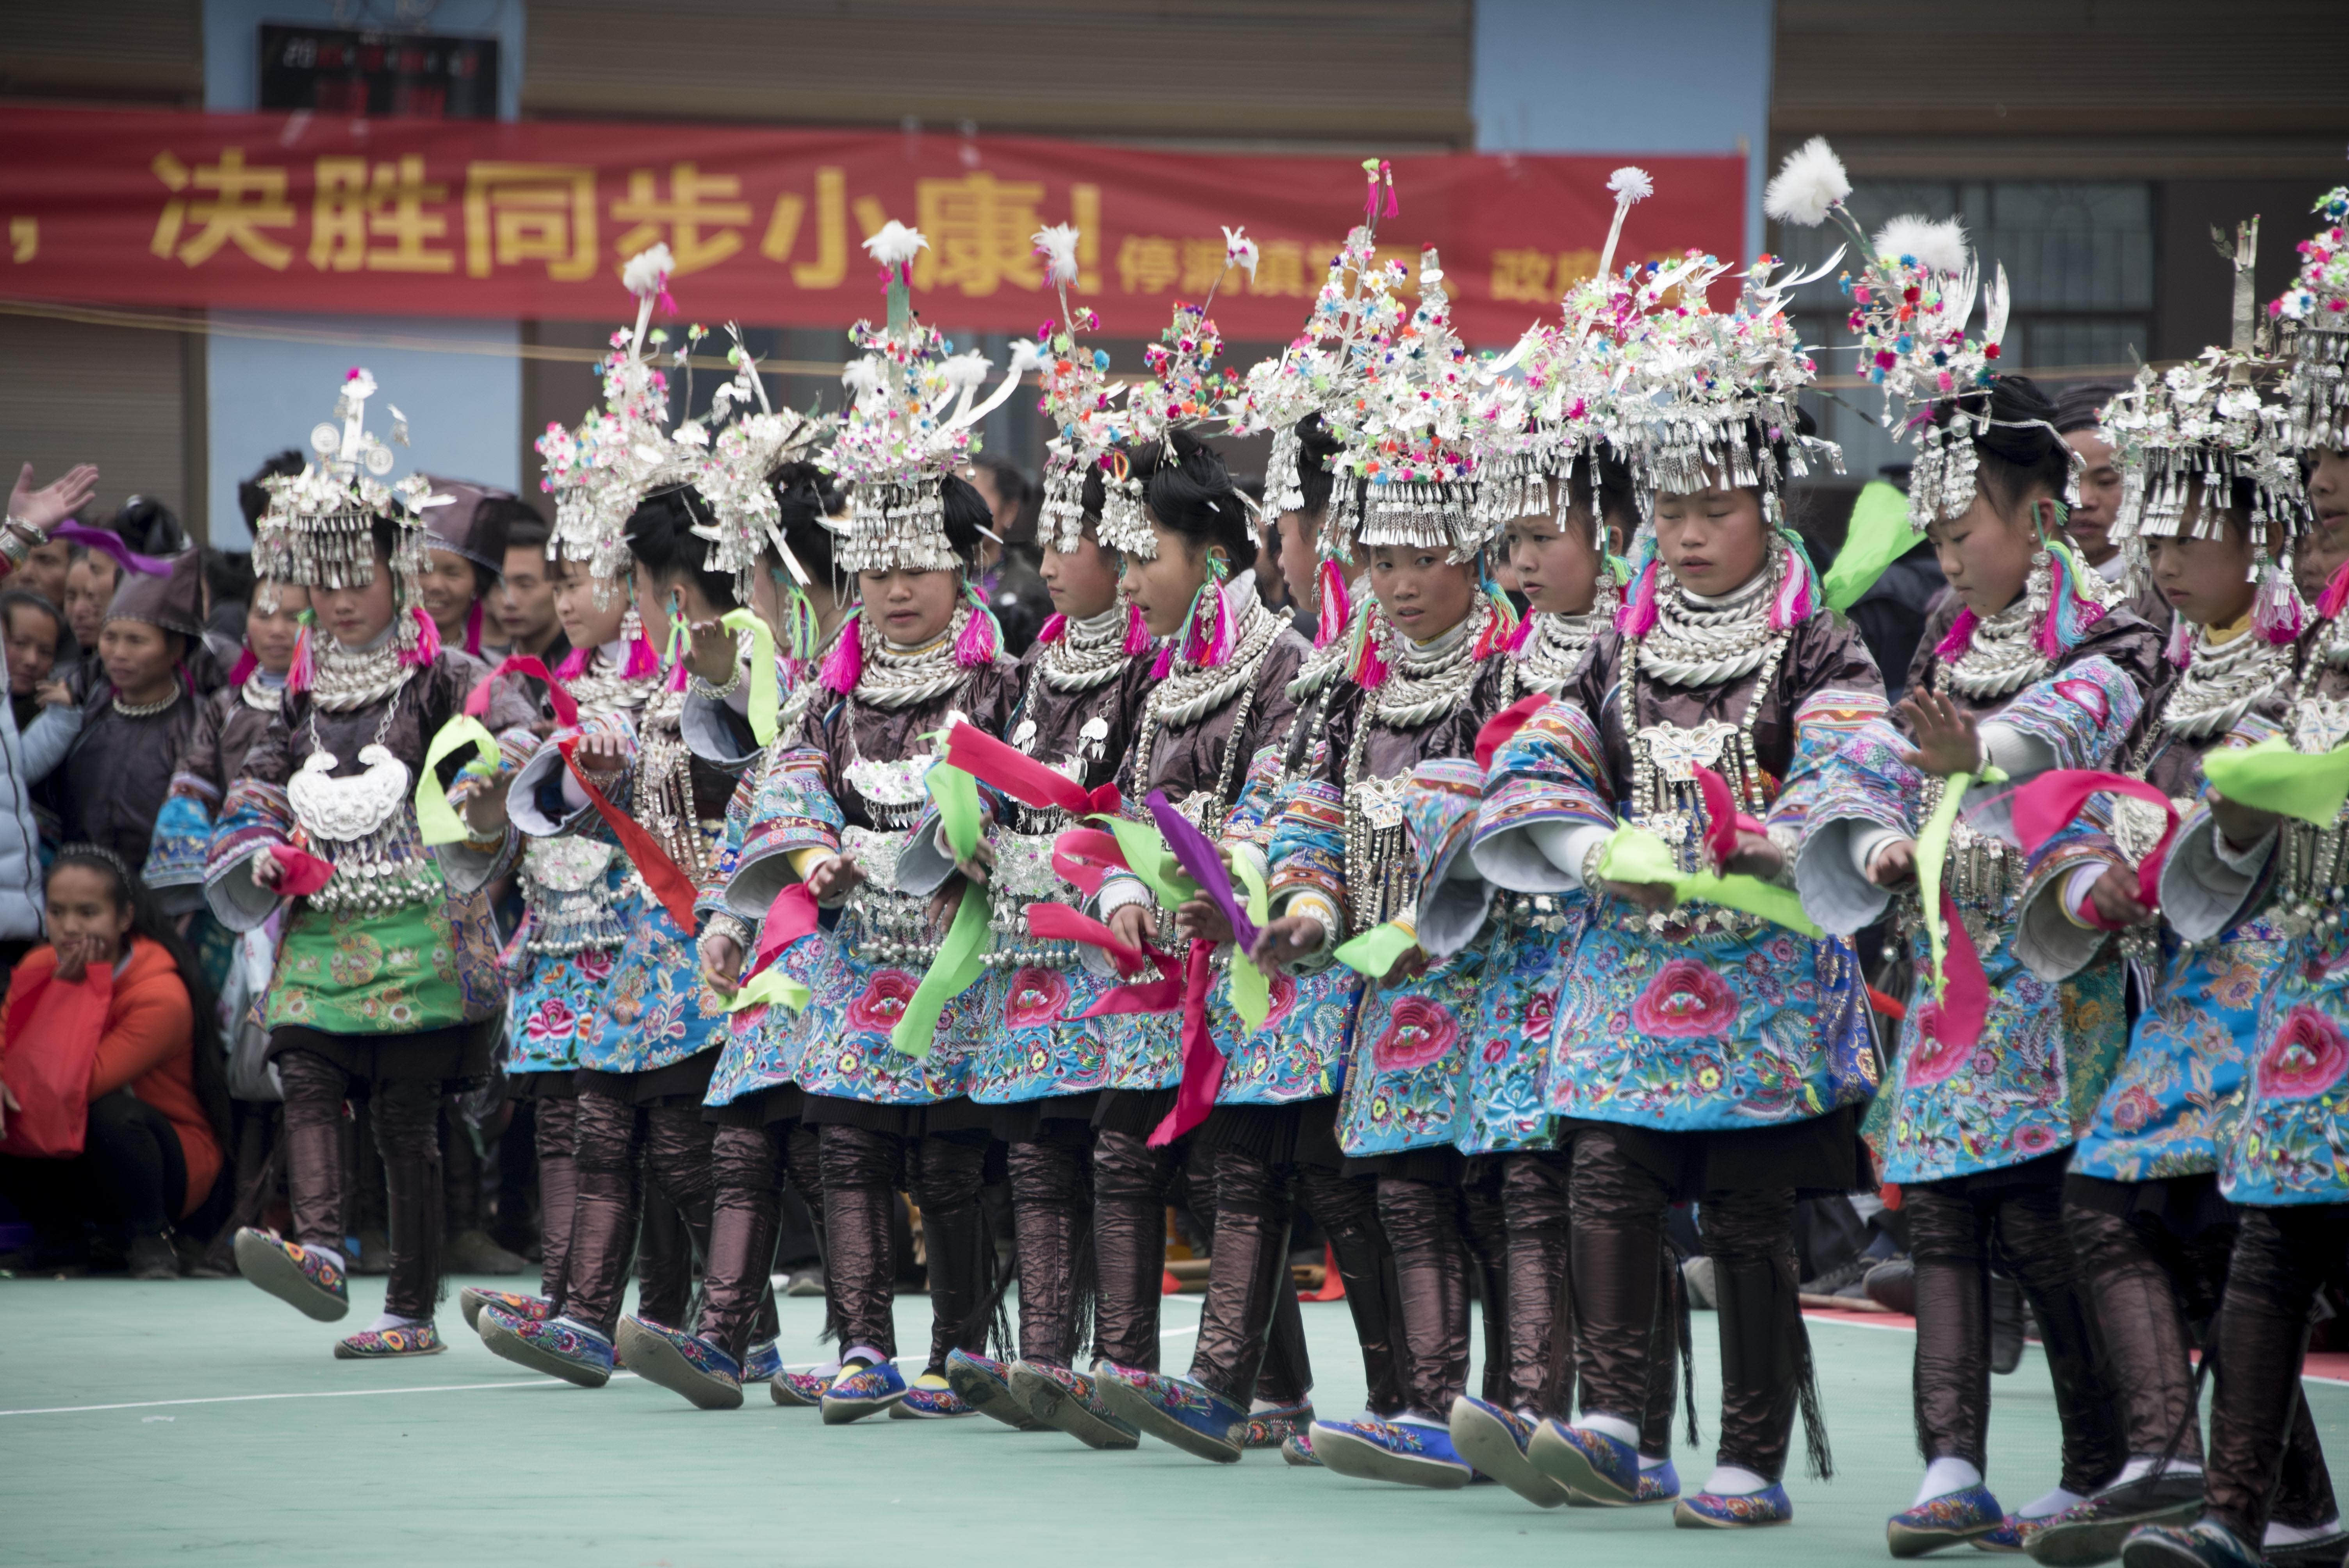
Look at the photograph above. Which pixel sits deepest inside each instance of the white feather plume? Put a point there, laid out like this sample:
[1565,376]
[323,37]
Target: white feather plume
[863,379]
[1057,244]
[647,272]
[1941,245]
[1025,355]
[966,369]
[1806,185]
[1239,250]
[1630,183]
[895,244]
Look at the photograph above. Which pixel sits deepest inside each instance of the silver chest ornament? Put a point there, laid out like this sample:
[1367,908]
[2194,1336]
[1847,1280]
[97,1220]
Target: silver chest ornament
[358,823]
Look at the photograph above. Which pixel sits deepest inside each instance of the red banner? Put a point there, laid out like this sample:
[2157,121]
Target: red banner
[533,221]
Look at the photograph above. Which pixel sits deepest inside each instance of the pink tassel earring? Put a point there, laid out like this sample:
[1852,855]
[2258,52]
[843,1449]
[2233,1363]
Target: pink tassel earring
[976,643]
[2181,651]
[574,666]
[425,645]
[303,673]
[643,658]
[1137,633]
[844,666]
[1336,610]
[2278,612]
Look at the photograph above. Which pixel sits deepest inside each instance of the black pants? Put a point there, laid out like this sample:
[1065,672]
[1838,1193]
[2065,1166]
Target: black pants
[407,1116]
[2261,1437]
[861,1172]
[131,1172]
[625,1151]
[749,1166]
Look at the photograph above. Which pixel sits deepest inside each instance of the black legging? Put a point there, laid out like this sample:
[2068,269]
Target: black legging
[407,1115]
[131,1172]
[2262,1439]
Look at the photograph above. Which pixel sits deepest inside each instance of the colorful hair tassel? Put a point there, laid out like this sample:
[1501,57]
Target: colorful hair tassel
[1207,627]
[1365,666]
[1502,633]
[2278,612]
[1137,633]
[981,634]
[1056,627]
[1164,661]
[804,631]
[1516,643]
[1797,598]
[574,666]
[304,671]
[473,630]
[1638,616]
[245,664]
[680,652]
[2069,616]
[428,640]
[844,666]
[2181,651]
[644,659]
[2330,602]
[1952,647]
[1336,608]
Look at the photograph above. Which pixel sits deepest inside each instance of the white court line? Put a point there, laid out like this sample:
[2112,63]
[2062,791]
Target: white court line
[366,1393]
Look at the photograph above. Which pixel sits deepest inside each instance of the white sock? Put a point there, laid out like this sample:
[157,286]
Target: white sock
[1944,1476]
[1657,1463]
[393,1320]
[332,1255]
[2055,1501]
[2140,1467]
[2293,1535]
[865,1353]
[1733,1481]
[1615,1427]
[1258,1406]
[1413,1419]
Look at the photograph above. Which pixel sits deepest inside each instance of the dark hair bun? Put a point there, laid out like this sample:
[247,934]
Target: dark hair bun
[1188,490]
[660,536]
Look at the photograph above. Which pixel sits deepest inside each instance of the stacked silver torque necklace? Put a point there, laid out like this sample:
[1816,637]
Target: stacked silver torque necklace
[2004,655]
[1427,679]
[1191,692]
[896,678]
[1706,641]
[2213,691]
[1088,654]
[352,679]
[1553,649]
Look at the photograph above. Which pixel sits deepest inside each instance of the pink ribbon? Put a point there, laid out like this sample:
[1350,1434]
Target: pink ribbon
[558,696]
[2054,799]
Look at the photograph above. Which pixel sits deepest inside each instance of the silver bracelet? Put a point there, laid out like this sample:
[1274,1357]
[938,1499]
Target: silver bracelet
[1590,859]
[703,689]
[733,927]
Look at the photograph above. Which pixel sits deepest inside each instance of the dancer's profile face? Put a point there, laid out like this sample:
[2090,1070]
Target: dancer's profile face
[1985,551]
[1084,581]
[1556,561]
[1163,586]
[2206,581]
[1712,539]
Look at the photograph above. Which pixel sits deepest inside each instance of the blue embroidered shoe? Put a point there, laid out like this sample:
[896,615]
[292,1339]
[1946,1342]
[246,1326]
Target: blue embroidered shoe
[1659,1484]
[559,1347]
[866,1391]
[387,1344]
[800,1390]
[1494,1440]
[761,1362]
[1270,1428]
[1712,1511]
[473,1299]
[985,1385]
[930,1398]
[1410,1453]
[2207,1544]
[1297,1449]
[308,1282]
[1191,1415]
[1068,1401]
[1597,1469]
[2090,1531]
[1951,1518]
[682,1363]
[2013,1534]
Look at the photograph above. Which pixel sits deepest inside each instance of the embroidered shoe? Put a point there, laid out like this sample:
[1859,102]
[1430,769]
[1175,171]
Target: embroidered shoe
[1068,1402]
[387,1344]
[1597,1469]
[800,1390]
[1297,1449]
[1951,1518]
[2013,1534]
[1660,1484]
[308,1282]
[1270,1428]
[1191,1415]
[1712,1511]
[684,1364]
[1410,1453]
[985,1385]
[2206,1545]
[930,1398]
[866,1391]
[2092,1532]
[2327,1549]
[1494,1440]
[761,1362]
[473,1299]
[558,1346]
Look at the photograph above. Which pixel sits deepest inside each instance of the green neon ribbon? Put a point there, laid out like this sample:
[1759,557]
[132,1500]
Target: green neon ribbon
[1879,535]
[1375,951]
[766,696]
[961,958]
[1251,987]
[1637,855]
[1146,855]
[1933,852]
[770,987]
[437,822]
[2273,777]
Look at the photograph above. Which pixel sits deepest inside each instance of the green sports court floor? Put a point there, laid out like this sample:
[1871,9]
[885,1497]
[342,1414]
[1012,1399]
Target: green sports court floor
[202,1422]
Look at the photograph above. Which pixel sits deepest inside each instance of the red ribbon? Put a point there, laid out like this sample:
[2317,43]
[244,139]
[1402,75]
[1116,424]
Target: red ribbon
[1957,1018]
[1722,821]
[2051,801]
[1021,777]
[1059,923]
[558,696]
[299,872]
[667,881]
[792,916]
[1083,858]
[1203,1064]
[1501,726]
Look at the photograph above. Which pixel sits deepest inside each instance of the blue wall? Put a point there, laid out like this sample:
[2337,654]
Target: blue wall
[464,410]
[1671,75]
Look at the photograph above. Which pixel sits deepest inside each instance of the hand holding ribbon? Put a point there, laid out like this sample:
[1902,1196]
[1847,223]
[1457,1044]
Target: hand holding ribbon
[662,876]
[1021,777]
[960,958]
[2273,777]
[1636,855]
[437,822]
[2045,805]
[558,695]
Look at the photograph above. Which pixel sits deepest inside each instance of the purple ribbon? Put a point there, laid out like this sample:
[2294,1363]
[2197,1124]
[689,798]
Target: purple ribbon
[106,542]
[1198,858]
